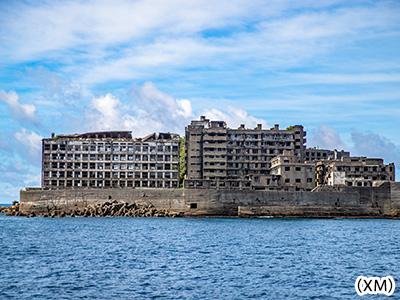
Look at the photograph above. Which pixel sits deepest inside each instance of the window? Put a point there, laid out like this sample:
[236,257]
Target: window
[287,168]
[298,168]
[298,180]
[287,180]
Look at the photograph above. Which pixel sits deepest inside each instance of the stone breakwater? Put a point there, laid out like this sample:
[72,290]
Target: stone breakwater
[12,210]
[107,209]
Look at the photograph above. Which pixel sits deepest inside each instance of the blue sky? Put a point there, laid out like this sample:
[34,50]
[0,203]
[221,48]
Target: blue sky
[77,66]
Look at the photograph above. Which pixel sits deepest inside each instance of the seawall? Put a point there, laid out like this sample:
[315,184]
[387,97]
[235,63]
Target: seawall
[381,201]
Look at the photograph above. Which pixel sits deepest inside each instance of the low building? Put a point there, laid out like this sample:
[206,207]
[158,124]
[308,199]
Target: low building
[292,173]
[110,159]
[354,171]
[315,154]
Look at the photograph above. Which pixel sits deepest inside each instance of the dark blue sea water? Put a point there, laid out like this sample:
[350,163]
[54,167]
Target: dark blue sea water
[194,258]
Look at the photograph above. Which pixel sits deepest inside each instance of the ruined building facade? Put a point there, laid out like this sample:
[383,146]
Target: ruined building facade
[292,174]
[218,156]
[110,159]
[314,154]
[354,171]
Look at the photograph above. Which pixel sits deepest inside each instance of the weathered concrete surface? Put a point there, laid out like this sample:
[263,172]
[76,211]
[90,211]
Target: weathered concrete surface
[381,201]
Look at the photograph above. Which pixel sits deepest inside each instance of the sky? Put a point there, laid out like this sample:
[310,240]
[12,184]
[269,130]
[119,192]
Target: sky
[154,65]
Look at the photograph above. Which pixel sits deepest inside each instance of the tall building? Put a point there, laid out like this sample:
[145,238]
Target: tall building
[218,156]
[110,159]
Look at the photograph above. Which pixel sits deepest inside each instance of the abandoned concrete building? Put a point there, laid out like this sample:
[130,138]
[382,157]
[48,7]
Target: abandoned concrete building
[270,159]
[354,171]
[110,159]
[292,174]
[216,157]
[221,157]
[314,154]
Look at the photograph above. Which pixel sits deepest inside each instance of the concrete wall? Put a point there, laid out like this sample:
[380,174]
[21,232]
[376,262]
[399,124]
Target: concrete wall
[369,202]
[395,197]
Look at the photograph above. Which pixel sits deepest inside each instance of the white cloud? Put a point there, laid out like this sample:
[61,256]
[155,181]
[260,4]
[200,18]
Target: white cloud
[149,110]
[146,110]
[14,175]
[155,57]
[31,144]
[33,180]
[130,40]
[234,117]
[12,172]
[362,78]
[326,137]
[106,113]
[20,112]
[371,144]
[56,89]
[63,25]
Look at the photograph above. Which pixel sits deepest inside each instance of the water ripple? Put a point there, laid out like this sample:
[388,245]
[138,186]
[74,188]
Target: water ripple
[210,258]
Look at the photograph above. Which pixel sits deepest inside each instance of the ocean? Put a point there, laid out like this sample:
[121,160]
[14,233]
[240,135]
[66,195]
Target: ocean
[194,258]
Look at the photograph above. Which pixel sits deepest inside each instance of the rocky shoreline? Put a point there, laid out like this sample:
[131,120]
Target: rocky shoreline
[107,209]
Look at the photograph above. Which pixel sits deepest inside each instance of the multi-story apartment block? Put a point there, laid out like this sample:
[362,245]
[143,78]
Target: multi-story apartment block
[110,159]
[354,171]
[219,156]
[314,154]
[216,156]
[292,173]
